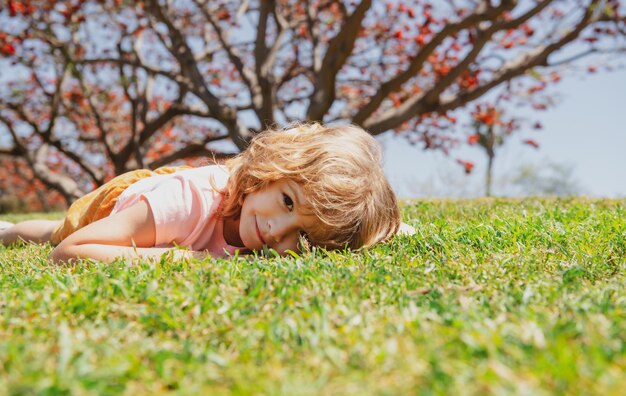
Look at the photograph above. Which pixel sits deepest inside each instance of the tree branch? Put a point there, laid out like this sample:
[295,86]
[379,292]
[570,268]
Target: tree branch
[191,150]
[246,74]
[36,159]
[63,184]
[416,64]
[237,130]
[339,49]
[512,69]
[516,67]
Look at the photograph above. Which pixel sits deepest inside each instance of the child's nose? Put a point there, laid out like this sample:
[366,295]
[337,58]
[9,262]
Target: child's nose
[281,229]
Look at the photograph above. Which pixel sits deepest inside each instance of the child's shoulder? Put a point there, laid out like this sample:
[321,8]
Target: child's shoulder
[217,174]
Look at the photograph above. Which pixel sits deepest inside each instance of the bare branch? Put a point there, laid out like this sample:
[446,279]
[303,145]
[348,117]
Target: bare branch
[417,63]
[55,100]
[63,184]
[578,56]
[191,150]
[264,63]
[137,63]
[98,121]
[246,74]
[516,67]
[339,49]
[153,126]
[36,159]
[314,32]
[237,130]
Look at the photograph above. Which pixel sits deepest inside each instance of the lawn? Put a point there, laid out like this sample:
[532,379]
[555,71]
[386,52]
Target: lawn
[490,296]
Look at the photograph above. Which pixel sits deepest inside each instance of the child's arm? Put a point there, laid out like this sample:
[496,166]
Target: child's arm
[113,237]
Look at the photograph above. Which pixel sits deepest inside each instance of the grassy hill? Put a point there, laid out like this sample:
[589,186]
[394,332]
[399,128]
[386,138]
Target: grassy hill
[490,296]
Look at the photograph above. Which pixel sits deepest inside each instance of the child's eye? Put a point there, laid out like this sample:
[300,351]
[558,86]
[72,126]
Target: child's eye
[288,202]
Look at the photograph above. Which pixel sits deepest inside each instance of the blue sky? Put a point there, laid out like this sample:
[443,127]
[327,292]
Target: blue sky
[585,131]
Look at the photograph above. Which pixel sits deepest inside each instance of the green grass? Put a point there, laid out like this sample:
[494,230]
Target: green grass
[490,296]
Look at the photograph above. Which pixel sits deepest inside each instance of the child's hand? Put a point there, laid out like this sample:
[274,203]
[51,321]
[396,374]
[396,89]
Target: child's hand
[406,229]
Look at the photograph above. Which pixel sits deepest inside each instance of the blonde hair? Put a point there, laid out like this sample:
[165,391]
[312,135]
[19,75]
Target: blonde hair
[338,168]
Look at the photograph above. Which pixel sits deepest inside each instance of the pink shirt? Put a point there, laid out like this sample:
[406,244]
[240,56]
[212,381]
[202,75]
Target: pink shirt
[185,207]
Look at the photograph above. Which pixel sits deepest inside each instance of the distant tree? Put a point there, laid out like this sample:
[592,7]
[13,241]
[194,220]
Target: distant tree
[549,178]
[491,130]
[94,88]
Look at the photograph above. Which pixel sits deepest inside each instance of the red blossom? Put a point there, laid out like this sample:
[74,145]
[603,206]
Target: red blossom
[467,165]
[166,148]
[442,70]
[138,31]
[8,49]
[16,8]
[169,132]
[468,80]
[473,139]
[528,30]
[302,30]
[223,15]
[397,101]
[532,143]
[487,117]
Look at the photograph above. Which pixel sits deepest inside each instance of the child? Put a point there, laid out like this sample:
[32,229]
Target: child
[308,184]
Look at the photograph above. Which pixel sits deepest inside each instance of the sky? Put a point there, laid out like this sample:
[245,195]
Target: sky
[584,133]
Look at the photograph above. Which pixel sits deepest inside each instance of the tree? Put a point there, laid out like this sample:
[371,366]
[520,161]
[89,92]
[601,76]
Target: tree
[549,178]
[95,88]
[491,129]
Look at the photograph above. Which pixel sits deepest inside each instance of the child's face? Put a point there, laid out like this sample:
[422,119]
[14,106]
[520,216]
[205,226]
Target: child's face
[275,216]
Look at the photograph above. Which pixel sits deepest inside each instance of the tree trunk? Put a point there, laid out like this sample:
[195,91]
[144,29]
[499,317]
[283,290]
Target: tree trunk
[488,177]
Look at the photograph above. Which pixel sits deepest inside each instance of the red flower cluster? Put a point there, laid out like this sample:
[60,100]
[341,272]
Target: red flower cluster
[532,143]
[7,49]
[469,80]
[469,166]
[20,7]
[487,116]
